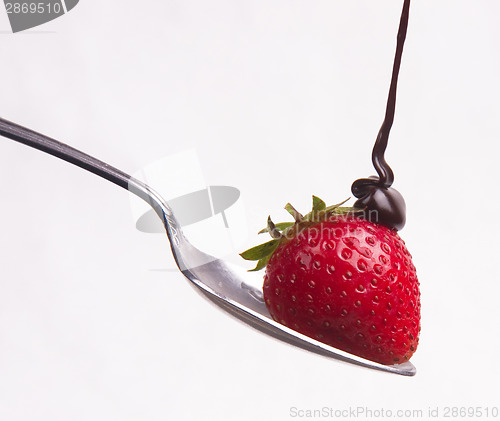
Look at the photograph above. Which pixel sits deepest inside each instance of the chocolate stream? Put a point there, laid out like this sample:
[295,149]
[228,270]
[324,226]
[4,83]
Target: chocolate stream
[374,193]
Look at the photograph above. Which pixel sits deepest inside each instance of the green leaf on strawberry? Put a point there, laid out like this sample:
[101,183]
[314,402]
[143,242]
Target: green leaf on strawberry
[318,204]
[261,251]
[320,211]
[281,226]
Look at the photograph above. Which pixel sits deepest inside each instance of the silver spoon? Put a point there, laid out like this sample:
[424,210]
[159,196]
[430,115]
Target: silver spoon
[226,285]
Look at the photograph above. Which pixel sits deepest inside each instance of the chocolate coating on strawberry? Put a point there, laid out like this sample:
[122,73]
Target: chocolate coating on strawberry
[375,194]
[384,206]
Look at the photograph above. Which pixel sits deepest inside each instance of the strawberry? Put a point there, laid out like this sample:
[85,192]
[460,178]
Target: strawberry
[343,280]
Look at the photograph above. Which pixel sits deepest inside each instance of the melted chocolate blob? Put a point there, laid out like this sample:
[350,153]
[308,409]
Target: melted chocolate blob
[382,203]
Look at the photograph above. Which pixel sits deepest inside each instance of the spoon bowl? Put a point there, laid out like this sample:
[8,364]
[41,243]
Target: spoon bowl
[228,286]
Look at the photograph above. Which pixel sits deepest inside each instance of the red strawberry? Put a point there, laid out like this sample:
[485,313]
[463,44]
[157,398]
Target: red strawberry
[344,281]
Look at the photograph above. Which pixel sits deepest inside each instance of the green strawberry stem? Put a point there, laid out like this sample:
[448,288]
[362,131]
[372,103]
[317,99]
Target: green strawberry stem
[281,231]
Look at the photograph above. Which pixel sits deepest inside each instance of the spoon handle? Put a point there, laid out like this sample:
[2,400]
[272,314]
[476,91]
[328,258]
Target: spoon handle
[65,152]
[74,156]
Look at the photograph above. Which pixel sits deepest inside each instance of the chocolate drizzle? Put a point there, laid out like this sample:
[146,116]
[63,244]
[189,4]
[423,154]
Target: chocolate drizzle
[375,194]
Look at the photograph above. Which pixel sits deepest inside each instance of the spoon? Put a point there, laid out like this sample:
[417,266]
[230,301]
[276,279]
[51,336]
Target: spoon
[226,285]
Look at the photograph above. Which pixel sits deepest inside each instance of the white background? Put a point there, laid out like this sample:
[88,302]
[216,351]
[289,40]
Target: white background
[281,99]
